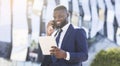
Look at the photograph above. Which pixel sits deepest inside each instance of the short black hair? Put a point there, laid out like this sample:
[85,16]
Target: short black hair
[60,7]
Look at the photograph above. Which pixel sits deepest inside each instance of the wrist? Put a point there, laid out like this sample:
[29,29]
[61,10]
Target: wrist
[65,55]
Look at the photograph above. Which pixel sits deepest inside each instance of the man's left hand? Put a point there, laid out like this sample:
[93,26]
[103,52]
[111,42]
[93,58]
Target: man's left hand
[58,53]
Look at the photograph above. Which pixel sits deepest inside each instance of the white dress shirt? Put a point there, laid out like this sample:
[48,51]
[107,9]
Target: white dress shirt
[64,29]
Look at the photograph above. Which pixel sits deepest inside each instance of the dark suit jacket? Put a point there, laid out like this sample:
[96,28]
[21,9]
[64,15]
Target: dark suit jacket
[75,43]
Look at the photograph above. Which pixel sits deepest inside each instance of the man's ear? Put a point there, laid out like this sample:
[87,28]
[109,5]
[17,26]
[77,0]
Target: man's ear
[67,14]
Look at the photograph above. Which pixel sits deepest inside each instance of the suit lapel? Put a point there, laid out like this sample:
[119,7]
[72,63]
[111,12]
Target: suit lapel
[68,33]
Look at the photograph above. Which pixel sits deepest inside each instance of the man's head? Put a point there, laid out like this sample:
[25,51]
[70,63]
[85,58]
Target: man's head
[60,16]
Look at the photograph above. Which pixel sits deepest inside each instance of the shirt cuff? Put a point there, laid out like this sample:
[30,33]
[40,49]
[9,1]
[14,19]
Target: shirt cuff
[68,56]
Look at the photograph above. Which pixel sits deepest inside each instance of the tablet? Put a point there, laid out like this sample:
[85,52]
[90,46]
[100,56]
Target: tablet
[46,42]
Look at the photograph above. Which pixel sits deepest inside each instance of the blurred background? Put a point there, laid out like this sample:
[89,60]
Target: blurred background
[23,21]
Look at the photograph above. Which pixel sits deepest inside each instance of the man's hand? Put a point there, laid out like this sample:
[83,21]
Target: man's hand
[50,28]
[58,53]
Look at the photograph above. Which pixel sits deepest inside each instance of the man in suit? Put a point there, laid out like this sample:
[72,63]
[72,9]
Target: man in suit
[71,47]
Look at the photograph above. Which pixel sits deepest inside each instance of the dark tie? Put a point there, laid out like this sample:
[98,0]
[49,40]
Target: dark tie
[57,41]
[58,36]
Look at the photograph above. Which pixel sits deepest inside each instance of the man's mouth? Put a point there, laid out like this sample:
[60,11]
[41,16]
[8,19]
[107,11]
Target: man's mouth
[58,23]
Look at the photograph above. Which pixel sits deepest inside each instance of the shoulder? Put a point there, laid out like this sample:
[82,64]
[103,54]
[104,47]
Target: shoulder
[79,29]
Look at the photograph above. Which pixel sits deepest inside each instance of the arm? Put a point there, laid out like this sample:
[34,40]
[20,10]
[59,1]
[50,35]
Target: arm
[81,53]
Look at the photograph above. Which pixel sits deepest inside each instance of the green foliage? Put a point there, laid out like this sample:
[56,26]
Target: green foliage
[34,45]
[110,57]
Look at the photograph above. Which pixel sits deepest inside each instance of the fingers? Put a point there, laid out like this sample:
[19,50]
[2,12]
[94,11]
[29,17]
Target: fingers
[54,47]
[58,53]
[51,23]
[54,50]
[50,30]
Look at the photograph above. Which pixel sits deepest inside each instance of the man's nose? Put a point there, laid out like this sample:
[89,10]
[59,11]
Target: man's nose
[57,19]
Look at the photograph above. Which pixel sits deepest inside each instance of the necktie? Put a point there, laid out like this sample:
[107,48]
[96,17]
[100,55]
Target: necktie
[58,36]
[57,41]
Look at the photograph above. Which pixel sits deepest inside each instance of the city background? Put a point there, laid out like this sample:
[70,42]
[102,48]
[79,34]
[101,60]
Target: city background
[23,21]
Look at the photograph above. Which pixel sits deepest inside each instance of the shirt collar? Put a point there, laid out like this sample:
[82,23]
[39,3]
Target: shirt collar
[63,29]
[66,27]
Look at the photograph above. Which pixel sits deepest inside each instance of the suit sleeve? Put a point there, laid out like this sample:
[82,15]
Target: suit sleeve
[81,47]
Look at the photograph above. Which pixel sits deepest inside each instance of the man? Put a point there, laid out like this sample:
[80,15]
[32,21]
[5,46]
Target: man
[72,47]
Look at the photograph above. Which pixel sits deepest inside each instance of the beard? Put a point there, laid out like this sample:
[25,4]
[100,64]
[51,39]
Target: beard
[61,24]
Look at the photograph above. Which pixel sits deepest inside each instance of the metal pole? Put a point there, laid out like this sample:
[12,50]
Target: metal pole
[11,5]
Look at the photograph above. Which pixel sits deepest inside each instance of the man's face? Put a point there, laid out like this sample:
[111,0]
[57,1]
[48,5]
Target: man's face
[60,18]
